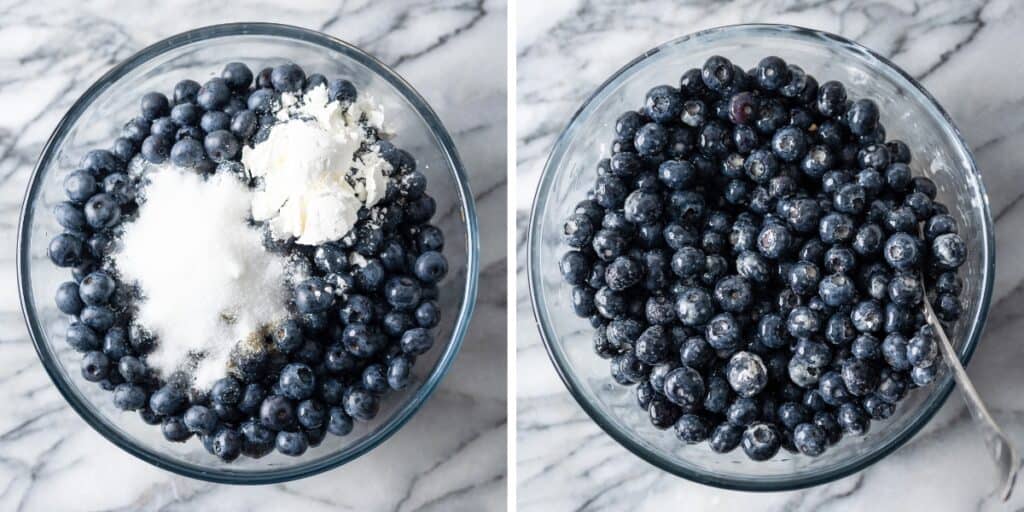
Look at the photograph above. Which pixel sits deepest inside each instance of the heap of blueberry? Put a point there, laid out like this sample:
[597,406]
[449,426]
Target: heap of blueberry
[751,258]
[327,365]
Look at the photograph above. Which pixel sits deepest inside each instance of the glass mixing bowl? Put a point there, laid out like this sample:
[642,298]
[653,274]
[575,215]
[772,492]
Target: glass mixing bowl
[95,120]
[908,112]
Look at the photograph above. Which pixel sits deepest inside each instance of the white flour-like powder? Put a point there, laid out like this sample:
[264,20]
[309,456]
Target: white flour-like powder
[206,280]
[313,182]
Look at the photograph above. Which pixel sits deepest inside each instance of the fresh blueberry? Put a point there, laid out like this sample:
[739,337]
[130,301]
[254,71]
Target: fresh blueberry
[226,444]
[292,444]
[761,441]
[684,386]
[663,104]
[154,105]
[311,296]
[692,428]
[237,76]
[949,251]
[747,374]
[789,143]
[200,420]
[416,341]
[297,381]
[214,94]
[723,332]
[360,403]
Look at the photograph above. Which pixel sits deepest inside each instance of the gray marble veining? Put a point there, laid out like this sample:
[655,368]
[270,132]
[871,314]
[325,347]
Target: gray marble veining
[451,456]
[965,53]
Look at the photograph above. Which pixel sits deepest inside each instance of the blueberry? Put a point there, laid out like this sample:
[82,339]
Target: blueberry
[416,341]
[684,386]
[754,267]
[310,414]
[402,293]
[761,441]
[220,145]
[129,397]
[291,443]
[360,403]
[288,78]
[723,332]
[339,422]
[154,105]
[771,73]
[643,206]
[262,101]
[803,277]
[802,322]
[311,296]
[949,282]
[802,372]
[226,391]
[214,94]
[725,438]
[167,400]
[342,91]
[650,139]
[718,74]
[185,91]
[905,289]
[902,251]
[687,261]
[200,420]
[836,228]
[789,143]
[578,231]
[102,211]
[257,440]
[901,219]
[80,185]
[692,428]
[226,444]
[774,240]
[287,336]
[297,381]
[156,148]
[747,374]
[277,412]
[837,290]
[67,298]
[850,198]
[95,365]
[190,153]
[242,124]
[867,316]
[99,318]
[733,294]
[252,397]
[862,116]
[97,288]
[663,104]
[810,439]
[922,351]
[949,251]
[815,353]
[922,376]
[118,186]
[237,76]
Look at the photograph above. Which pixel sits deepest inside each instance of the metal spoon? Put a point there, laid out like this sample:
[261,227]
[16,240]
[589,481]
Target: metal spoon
[1002,450]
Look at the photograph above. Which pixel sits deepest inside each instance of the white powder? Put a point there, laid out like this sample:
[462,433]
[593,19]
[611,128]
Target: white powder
[206,280]
[313,182]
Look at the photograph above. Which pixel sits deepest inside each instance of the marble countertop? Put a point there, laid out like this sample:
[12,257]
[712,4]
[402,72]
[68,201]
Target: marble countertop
[963,51]
[449,51]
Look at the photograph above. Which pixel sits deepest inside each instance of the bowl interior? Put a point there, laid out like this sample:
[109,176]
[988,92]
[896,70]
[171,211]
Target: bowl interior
[96,120]
[908,114]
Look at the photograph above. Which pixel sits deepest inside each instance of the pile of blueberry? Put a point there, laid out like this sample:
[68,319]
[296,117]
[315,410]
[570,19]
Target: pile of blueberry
[328,364]
[751,258]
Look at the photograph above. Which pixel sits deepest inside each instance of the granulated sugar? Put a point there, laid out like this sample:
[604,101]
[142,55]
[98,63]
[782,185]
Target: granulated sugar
[206,280]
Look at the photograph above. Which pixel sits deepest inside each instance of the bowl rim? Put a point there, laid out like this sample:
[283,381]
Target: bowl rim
[655,457]
[466,206]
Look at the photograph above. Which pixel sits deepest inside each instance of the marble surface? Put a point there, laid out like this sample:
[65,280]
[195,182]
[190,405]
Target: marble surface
[452,455]
[963,53]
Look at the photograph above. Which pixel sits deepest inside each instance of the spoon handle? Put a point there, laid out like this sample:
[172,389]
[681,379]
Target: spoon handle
[1002,450]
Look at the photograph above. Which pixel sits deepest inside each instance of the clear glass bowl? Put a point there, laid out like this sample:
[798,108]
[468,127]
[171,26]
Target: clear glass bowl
[95,120]
[908,112]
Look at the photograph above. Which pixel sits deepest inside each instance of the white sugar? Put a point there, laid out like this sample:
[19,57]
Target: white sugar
[206,280]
